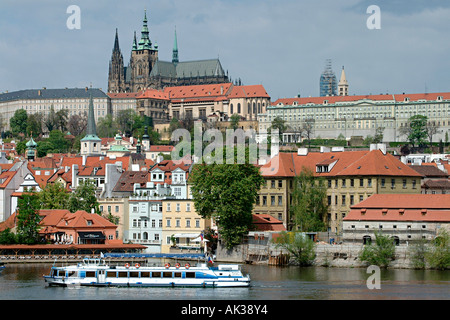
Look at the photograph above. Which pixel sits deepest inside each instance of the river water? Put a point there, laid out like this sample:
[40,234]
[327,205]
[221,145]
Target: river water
[25,282]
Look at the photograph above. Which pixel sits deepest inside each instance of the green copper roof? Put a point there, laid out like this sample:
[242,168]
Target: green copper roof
[31,144]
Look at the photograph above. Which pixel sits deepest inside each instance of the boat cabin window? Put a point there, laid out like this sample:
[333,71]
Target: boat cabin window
[90,274]
[145,274]
[123,274]
[156,274]
[177,275]
[167,274]
[111,274]
[190,274]
[71,273]
[134,274]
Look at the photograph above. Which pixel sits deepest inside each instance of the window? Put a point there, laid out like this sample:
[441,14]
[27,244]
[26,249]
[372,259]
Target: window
[352,199]
[188,223]
[361,182]
[369,182]
[264,200]
[178,223]
[178,207]
[414,184]
[167,222]
[280,183]
[168,207]
[280,200]
[272,200]
[383,182]
[343,200]
[352,182]
[188,207]
[392,183]
[343,183]
[117,208]
[404,183]
[272,184]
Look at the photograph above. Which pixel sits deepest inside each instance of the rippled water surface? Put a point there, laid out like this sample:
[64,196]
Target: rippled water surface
[25,281]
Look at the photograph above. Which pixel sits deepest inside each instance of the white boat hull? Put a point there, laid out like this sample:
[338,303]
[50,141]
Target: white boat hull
[137,276]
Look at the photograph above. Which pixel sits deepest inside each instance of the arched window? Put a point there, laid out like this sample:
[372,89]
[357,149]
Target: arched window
[396,240]
[231,109]
[254,107]
[145,236]
[367,240]
[239,108]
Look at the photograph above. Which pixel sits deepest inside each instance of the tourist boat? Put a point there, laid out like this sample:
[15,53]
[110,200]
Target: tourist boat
[95,272]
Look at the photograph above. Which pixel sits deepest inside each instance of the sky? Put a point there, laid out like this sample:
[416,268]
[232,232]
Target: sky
[281,44]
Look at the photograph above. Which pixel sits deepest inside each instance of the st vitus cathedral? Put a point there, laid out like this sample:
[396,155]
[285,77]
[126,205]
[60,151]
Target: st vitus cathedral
[145,70]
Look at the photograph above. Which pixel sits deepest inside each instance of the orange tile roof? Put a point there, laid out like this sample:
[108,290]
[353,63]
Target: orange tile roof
[196,92]
[153,94]
[377,97]
[265,222]
[402,207]
[251,91]
[347,163]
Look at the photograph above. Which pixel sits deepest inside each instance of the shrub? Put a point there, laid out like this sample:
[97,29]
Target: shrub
[381,253]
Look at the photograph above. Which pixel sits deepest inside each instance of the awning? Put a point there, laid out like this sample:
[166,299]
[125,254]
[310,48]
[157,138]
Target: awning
[91,235]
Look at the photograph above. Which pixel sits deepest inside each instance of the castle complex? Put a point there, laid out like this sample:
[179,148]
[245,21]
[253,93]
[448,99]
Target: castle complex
[145,70]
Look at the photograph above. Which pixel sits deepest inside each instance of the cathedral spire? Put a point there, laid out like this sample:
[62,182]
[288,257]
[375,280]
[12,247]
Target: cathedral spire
[175,49]
[116,42]
[134,42]
[145,42]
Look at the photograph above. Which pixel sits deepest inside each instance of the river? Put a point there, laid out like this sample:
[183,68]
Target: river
[25,282]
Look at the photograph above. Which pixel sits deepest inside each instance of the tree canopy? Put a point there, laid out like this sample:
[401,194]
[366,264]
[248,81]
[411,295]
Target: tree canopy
[309,206]
[227,193]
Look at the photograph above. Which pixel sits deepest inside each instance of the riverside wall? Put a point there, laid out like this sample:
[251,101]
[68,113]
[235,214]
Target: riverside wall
[330,255]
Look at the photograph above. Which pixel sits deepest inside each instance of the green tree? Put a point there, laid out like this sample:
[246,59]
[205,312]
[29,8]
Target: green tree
[107,127]
[381,253]
[438,256]
[227,193]
[309,205]
[235,118]
[83,198]
[34,124]
[53,196]
[18,122]
[7,237]
[280,124]
[300,246]
[28,219]
[416,130]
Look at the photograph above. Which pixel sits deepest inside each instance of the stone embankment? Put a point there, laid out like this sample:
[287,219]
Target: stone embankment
[337,255]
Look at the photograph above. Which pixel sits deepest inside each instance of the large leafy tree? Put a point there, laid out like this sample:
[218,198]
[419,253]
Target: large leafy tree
[227,193]
[28,219]
[309,206]
[83,198]
[53,196]
[416,130]
[18,122]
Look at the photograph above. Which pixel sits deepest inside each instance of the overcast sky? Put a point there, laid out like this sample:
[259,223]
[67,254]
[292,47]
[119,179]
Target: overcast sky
[282,44]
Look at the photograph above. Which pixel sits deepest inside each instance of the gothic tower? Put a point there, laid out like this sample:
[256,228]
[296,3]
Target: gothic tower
[143,58]
[116,78]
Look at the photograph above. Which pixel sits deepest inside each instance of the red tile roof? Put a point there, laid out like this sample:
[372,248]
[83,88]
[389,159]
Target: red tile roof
[347,163]
[377,97]
[153,94]
[265,222]
[402,207]
[251,91]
